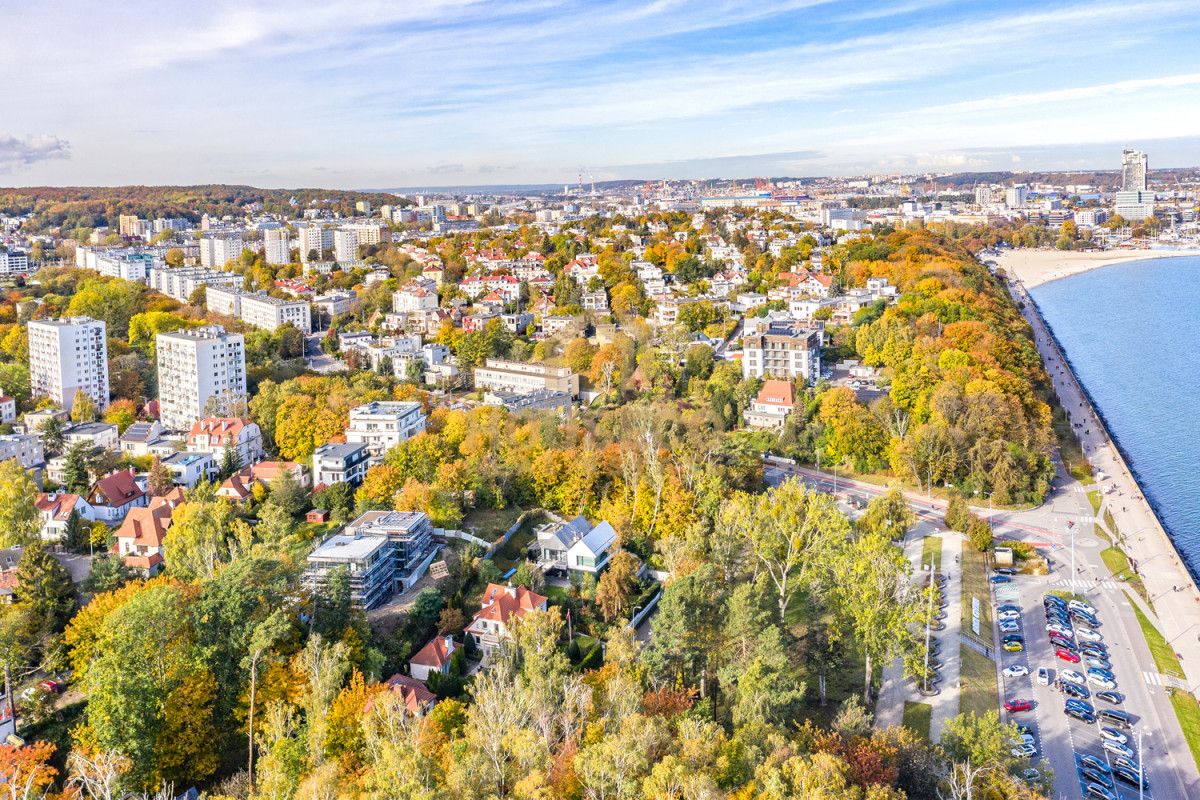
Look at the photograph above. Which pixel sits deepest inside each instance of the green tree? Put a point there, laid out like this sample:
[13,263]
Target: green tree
[288,494]
[44,586]
[108,574]
[75,474]
[889,514]
[874,599]
[200,539]
[149,694]
[231,462]
[979,531]
[83,407]
[617,585]
[958,513]
[160,479]
[20,521]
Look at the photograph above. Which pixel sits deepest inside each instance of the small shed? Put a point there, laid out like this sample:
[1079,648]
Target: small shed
[317,515]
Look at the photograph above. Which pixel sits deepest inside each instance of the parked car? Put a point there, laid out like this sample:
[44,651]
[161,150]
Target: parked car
[1043,676]
[1130,777]
[1072,676]
[1087,619]
[1007,571]
[1009,626]
[1074,690]
[1118,749]
[1024,750]
[1014,646]
[1116,698]
[50,686]
[1127,763]
[1016,671]
[1095,763]
[1009,607]
[1099,663]
[1080,714]
[1103,683]
[1080,704]
[1089,635]
[1079,605]
[1120,719]
[1008,616]
[1094,776]
[998,579]
[1098,792]
[1017,704]
[1066,655]
[1113,735]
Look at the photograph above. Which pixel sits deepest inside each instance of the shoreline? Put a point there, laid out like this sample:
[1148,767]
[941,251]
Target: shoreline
[1032,268]
[1179,612]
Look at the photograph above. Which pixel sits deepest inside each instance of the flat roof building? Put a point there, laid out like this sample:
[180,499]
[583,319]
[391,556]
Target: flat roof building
[195,366]
[68,356]
[519,377]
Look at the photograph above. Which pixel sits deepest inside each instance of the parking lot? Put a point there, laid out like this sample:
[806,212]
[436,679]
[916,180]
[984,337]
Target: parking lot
[1062,740]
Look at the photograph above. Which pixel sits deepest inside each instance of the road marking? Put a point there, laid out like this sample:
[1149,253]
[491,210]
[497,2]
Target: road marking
[1153,678]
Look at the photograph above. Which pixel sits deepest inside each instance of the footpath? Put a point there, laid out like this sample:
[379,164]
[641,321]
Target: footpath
[1171,588]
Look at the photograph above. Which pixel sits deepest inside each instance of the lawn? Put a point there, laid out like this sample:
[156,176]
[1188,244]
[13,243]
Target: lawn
[1095,499]
[513,553]
[1165,659]
[1101,532]
[490,524]
[979,688]
[931,549]
[1187,710]
[1118,564]
[975,584]
[917,717]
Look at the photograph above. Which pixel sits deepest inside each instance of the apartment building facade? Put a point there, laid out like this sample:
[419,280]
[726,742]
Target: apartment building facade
[67,356]
[382,425]
[195,365]
[519,377]
[783,350]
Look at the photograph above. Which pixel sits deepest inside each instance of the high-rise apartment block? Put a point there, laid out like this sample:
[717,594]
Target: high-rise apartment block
[784,350]
[1015,196]
[277,246]
[313,241]
[195,365]
[67,356]
[217,250]
[345,246]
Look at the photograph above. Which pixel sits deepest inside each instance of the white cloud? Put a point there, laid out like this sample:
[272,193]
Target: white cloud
[16,153]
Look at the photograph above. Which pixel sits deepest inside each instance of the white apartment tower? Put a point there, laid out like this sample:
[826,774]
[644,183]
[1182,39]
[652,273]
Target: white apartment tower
[277,246]
[196,365]
[66,356]
[345,246]
[310,238]
[219,249]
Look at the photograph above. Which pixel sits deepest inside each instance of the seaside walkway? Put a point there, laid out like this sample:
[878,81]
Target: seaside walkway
[1170,586]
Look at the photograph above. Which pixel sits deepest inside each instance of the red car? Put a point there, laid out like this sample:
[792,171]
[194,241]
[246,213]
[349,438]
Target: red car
[1017,705]
[1067,655]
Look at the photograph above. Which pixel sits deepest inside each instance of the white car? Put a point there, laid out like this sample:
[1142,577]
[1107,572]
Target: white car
[1082,606]
[1026,750]
[1088,635]
[1118,748]
[1009,627]
[1016,671]
[1103,683]
[1059,629]
[1072,676]
[1113,735]
[1043,676]
[1004,616]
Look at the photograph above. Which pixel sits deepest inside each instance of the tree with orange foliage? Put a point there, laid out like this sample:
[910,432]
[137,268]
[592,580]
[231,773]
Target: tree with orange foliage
[25,772]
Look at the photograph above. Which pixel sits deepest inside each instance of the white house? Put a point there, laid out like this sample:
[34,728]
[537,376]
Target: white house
[576,546]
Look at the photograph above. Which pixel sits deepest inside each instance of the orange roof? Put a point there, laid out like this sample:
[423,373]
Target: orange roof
[267,471]
[218,427]
[416,695]
[501,603]
[777,393]
[237,485]
[143,562]
[58,505]
[148,525]
[436,653]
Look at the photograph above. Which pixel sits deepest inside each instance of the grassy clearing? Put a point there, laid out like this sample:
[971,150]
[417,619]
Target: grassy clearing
[1068,446]
[490,524]
[1118,564]
[514,551]
[1101,533]
[1165,659]
[917,718]
[1110,522]
[980,691]
[931,550]
[974,584]
[1095,499]
[1187,711]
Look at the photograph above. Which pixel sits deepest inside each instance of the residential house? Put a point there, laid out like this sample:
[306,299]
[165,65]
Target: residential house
[575,546]
[56,509]
[417,697]
[188,469]
[141,439]
[339,462]
[214,435]
[114,495]
[95,435]
[433,657]
[141,535]
[770,409]
[501,605]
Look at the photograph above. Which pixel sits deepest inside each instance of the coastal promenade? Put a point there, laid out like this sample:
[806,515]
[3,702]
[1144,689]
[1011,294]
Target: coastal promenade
[1170,586]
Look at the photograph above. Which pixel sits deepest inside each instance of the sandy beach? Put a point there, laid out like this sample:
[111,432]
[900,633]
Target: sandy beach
[1035,267]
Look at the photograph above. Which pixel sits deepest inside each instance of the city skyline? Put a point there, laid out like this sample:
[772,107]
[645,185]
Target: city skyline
[452,92]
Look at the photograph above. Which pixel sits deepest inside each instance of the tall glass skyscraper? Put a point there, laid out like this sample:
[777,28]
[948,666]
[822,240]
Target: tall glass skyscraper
[1133,170]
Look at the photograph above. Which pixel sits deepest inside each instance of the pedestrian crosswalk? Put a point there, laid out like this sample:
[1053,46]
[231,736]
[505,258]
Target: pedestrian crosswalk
[1079,584]
[1153,678]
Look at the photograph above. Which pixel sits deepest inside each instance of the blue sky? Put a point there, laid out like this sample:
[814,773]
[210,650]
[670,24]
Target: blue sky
[377,93]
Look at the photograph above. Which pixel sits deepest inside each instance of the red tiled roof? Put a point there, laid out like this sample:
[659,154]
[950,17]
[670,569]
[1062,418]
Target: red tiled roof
[147,526]
[777,393]
[116,490]
[501,603]
[416,695]
[218,427]
[436,653]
